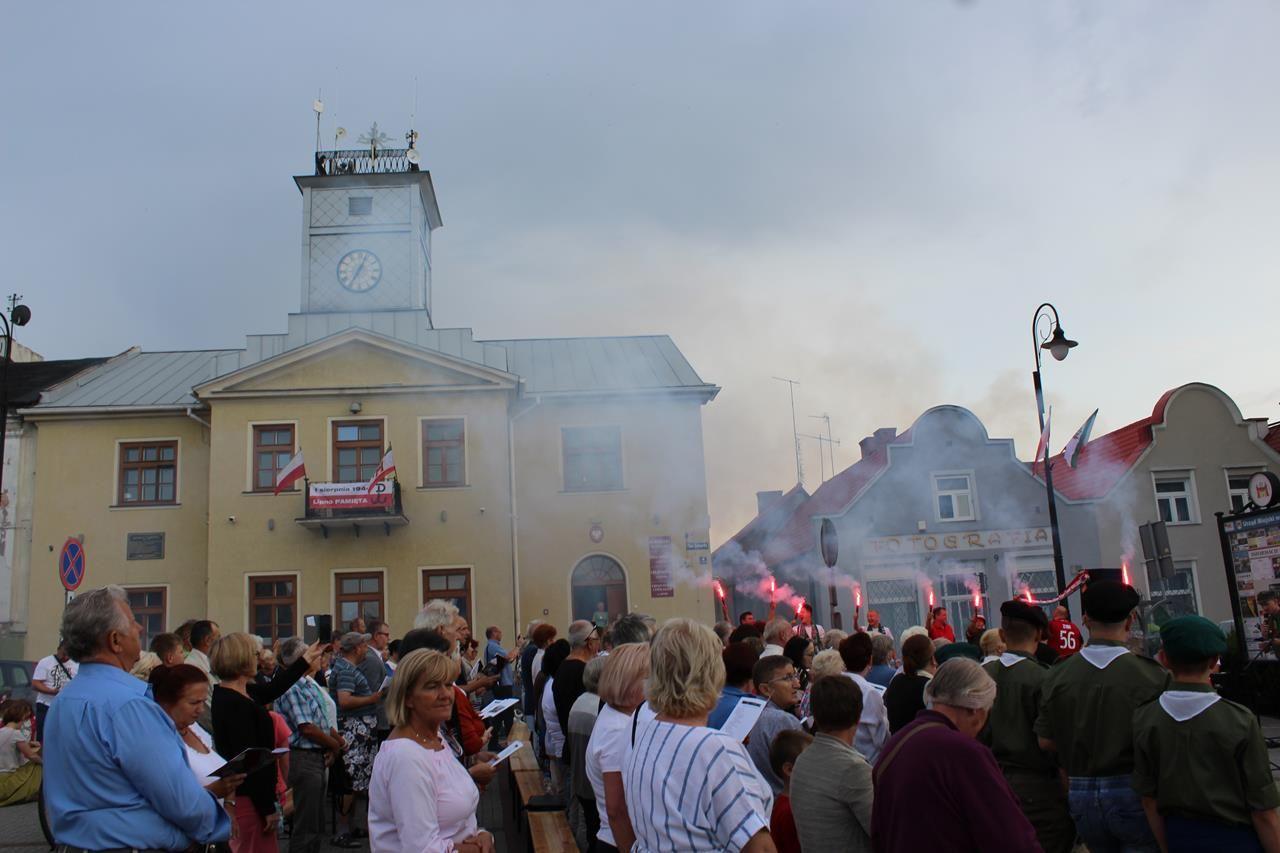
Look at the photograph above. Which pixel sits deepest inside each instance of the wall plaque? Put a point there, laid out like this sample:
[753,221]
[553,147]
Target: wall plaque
[145,546]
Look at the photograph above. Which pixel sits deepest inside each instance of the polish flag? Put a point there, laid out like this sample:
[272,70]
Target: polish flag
[291,473]
[1043,448]
[386,468]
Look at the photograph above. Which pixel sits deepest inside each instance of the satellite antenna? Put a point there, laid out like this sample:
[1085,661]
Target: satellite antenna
[412,156]
[318,106]
[339,135]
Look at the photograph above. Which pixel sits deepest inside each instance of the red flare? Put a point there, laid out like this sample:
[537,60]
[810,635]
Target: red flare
[857,596]
[977,600]
[931,597]
[1124,572]
[719,589]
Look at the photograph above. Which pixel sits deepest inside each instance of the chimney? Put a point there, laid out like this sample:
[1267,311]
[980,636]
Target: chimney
[765,499]
[877,441]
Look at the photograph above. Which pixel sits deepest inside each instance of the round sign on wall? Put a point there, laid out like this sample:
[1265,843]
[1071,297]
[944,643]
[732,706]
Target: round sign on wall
[71,565]
[1264,489]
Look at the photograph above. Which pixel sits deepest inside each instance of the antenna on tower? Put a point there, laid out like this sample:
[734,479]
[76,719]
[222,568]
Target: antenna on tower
[795,432]
[318,106]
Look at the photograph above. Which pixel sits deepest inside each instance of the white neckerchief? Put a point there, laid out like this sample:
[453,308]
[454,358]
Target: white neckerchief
[1182,705]
[1009,659]
[1102,656]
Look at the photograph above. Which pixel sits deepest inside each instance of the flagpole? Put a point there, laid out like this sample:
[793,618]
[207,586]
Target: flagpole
[1041,342]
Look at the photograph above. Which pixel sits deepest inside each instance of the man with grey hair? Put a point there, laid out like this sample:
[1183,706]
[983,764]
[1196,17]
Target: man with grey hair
[439,615]
[776,634]
[882,660]
[584,813]
[631,628]
[937,759]
[116,773]
[584,644]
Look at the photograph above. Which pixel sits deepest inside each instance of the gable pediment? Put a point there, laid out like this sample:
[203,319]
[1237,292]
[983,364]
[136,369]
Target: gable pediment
[356,361]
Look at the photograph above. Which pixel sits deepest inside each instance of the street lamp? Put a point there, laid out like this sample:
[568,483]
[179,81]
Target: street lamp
[1047,334]
[19,315]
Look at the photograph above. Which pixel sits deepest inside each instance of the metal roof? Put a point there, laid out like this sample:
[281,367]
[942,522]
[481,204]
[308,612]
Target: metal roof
[136,379]
[28,378]
[586,365]
[161,380]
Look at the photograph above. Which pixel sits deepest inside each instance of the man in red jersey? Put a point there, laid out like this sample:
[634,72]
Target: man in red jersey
[1064,637]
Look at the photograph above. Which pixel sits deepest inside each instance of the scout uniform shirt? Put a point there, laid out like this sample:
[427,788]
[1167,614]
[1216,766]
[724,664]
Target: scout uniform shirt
[1202,756]
[1019,681]
[1087,705]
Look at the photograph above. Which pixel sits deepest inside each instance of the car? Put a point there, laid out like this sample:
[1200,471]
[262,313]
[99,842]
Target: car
[15,680]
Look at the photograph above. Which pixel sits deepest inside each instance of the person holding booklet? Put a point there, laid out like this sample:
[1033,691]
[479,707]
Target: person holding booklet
[421,797]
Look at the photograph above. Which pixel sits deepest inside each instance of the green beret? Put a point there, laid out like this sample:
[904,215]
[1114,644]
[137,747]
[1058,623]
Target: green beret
[957,650]
[1109,601]
[1192,638]
[1016,608]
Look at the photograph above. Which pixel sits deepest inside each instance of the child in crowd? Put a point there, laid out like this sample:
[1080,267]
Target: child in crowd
[20,762]
[786,748]
[1199,761]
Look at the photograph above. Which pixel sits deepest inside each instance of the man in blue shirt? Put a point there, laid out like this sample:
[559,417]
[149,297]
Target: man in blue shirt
[493,651]
[739,661]
[115,771]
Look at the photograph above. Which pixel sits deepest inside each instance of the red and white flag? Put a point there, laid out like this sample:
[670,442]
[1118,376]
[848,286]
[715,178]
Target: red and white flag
[291,473]
[1043,447]
[386,468]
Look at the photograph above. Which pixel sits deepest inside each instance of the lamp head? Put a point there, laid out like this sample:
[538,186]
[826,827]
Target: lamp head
[20,315]
[1058,345]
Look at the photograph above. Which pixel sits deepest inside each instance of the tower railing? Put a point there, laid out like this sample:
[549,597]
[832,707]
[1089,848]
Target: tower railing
[363,161]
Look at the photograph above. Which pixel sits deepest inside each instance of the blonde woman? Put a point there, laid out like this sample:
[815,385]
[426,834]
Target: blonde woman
[621,688]
[687,786]
[421,798]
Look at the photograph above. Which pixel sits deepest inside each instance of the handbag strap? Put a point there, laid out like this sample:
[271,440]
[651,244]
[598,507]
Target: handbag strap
[888,759]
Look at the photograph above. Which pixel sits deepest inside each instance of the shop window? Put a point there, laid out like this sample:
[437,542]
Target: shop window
[1175,497]
[896,600]
[272,450]
[953,496]
[957,596]
[592,458]
[358,594]
[452,585]
[444,452]
[273,605]
[357,450]
[148,606]
[148,473]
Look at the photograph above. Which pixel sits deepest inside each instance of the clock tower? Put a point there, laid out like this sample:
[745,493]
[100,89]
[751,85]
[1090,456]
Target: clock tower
[367,218]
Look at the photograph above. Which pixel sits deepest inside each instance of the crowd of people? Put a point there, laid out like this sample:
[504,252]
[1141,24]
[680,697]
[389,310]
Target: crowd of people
[761,736]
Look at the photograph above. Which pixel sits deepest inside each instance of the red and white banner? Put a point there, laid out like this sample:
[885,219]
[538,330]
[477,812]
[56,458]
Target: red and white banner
[351,496]
[293,471]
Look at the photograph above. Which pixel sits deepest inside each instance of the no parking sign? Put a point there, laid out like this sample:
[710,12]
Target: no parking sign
[71,565]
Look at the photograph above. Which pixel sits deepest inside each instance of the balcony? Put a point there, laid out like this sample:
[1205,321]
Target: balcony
[337,506]
[366,161]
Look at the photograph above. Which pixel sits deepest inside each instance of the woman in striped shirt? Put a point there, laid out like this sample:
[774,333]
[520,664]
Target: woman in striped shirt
[689,787]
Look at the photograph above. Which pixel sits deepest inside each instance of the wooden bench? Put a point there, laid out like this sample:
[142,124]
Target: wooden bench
[549,832]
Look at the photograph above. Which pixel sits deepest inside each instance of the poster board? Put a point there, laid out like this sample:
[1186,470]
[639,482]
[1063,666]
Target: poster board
[1251,554]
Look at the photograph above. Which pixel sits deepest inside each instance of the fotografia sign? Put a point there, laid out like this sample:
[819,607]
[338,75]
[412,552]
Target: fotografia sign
[350,496]
[945,543]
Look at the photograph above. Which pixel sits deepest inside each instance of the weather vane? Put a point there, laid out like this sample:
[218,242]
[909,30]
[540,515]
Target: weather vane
[375,139]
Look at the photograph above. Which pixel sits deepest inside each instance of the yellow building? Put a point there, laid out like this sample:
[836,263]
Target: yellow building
[535,478]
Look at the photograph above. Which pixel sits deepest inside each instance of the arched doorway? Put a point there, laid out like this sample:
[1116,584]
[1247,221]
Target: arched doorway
[599,579]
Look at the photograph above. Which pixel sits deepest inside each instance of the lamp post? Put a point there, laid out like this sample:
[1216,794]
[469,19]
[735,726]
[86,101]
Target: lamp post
[19,315]
[1046,334]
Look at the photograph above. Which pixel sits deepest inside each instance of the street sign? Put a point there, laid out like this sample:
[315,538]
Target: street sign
[71,565]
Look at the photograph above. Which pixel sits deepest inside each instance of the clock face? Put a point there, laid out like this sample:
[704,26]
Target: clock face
[359,270]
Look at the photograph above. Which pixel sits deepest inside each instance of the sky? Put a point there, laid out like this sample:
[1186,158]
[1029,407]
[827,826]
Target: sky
[870,198]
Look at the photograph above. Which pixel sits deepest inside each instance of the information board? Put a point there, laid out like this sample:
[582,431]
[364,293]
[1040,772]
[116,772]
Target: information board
[660,567]
[1251,549]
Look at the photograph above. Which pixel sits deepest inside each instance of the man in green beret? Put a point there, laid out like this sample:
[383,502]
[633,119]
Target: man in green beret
[1200,763]
[958,650]
[1086,710]
[1031,772]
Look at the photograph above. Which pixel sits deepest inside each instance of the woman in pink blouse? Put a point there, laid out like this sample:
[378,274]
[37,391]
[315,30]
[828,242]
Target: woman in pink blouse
[421,797]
